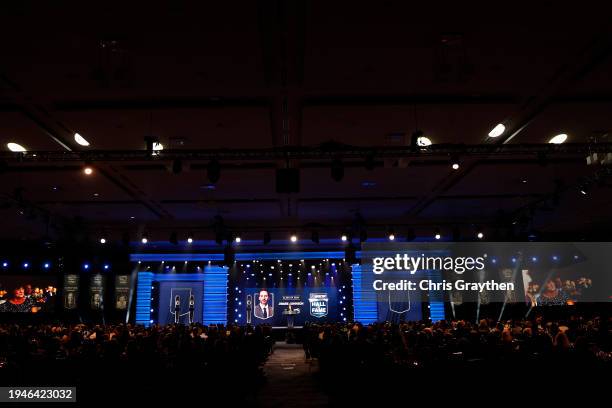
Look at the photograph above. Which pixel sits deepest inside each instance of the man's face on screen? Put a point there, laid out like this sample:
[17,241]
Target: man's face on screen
[263,297]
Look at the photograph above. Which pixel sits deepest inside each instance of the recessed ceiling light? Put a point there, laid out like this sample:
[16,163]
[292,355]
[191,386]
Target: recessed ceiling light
[560,138]
[497,130]
[423,141]
[80,140]
[15,147]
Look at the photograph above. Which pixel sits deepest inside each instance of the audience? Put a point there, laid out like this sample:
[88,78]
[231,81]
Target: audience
[135,361]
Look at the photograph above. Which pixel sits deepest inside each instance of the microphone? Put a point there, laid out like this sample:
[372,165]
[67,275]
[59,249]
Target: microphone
[249,303]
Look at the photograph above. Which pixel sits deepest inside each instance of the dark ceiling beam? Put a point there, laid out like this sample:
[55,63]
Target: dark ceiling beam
[213,102]
[409,100]
[541,151]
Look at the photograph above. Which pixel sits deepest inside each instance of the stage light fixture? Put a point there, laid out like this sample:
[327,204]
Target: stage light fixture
[88,170]
[455,163]
[46,265]
[213,171]
[16,147]
[293,238]
[85,266]
[337,170]
[190,238]
[106,266]
[437,234]
[238,240]
[80,140]
[4,264]
[144,239]
[103,240]
[498,130]
[558,139]
[391,235]
[480,235]
[344,238]
[26,265]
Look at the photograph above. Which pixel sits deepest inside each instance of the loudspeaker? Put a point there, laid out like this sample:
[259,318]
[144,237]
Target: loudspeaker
[287,181]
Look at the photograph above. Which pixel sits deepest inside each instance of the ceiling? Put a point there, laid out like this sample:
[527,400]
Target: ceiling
[269,74]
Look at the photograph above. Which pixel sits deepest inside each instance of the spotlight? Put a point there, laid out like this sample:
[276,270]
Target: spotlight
[314,237]
[26,265]
[480,235]
[80,140]
[267,238]
[558,139]
[46,265]
[16,147]
[437,234]
[190,238]
[238,240]
[344,237]
[103,240]
[584,187]
[455,163]
[85,266]
[106,266]
[497,130]
[293,238]
[213,171]
[144,239]
[4,264]
[87,170]
[337,169]
[391,235]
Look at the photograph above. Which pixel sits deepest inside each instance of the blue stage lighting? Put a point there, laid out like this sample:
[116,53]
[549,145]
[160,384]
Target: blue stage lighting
[25,265]
[86,266]
[46,265]
[4,264]
[106,267]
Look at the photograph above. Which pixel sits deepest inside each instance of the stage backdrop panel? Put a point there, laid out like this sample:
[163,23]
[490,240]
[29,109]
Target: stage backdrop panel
[167,293]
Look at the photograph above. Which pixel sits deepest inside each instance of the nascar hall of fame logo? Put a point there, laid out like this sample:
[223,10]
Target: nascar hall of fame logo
[318,304]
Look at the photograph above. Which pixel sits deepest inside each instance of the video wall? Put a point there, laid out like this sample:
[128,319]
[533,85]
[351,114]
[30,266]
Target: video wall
[27,294]
[276,305]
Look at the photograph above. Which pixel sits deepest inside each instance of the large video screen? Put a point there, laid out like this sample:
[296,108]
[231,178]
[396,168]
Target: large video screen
[27,294]
[275,306]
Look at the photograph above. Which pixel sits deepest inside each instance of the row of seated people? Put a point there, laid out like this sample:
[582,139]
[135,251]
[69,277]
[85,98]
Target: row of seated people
[136,362]
[428,354]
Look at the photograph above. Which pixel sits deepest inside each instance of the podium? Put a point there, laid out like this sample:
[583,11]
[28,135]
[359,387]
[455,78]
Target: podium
[290,313]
